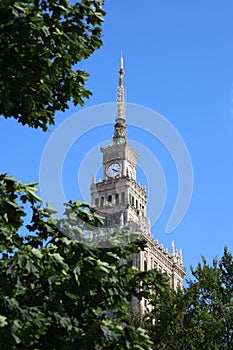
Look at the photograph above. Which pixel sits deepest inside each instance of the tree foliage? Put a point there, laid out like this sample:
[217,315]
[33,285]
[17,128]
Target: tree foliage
[166,321]
[200,317]
[41,41]
[55,292]
[210,308]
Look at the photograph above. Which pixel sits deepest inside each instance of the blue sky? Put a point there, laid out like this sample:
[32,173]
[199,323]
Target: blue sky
[178,58]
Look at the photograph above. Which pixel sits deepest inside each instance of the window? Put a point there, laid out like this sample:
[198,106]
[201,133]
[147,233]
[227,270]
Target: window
[123,197]
[97,202]
[117,198]
[101,202]
[109,198]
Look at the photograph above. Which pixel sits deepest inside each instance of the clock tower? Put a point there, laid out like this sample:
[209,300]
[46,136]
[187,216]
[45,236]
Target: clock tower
[119,198]
[122,202]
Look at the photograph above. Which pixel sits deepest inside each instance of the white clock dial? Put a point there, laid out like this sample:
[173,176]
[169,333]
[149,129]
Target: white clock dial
[113,170]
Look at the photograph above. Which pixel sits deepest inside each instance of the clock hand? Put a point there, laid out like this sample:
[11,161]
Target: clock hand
[115,170]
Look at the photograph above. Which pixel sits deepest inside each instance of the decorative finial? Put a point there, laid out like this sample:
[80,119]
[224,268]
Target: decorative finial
[181,257]
[120,127]
[173,248]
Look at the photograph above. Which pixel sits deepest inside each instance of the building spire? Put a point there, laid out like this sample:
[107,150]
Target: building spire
[120,127]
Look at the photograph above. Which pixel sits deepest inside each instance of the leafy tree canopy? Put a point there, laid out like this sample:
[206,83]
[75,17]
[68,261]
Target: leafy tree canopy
[200,317]
[40,43]
[55,292]
[210,304]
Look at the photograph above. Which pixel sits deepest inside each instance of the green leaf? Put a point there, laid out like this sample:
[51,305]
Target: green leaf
[51,209]
[33,195]
[37,253]
[3,321]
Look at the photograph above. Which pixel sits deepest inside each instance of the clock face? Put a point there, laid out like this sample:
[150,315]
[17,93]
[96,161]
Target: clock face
[113,170]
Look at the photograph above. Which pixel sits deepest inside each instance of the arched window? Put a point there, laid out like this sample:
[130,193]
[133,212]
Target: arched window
[123,197]
[109,198]
[117,198]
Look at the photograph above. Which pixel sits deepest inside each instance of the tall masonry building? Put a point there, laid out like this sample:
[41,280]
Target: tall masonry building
[122,201]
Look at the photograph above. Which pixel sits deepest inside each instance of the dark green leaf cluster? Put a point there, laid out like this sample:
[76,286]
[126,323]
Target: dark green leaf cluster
[201,316]
[57,292]
[40,43]
[13,195]
[210,307]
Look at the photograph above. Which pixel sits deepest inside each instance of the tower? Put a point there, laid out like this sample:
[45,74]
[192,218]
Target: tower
[122,201]
[119,198]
